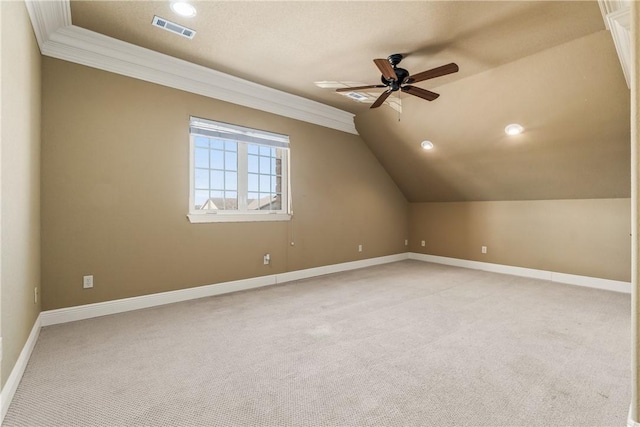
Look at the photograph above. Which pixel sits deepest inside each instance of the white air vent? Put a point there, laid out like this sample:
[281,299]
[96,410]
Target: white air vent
[173,27]
[357,96]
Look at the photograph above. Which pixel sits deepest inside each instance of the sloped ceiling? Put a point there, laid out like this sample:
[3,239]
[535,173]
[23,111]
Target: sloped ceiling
[574,105]
[550,66]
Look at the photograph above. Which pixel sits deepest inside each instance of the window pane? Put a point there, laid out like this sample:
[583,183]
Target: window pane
[217,159]
[230,146]
[277,203]
[230,161]
[253,182]
[265,151]
[230,200]
[201,141]
[231,181]
[265,165]
[253,164]
[217,143]
[212,204]
[265,201]
[216,194]
[257,201]
[274,185]
[217,180]
[200,198]
[253,149]
[202,158]
[265,183]
[202,179]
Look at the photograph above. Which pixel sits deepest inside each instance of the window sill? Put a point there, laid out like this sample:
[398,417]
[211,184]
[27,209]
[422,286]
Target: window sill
[261,217]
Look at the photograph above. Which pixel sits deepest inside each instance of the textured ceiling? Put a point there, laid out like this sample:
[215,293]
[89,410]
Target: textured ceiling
[574,105]
[549,65]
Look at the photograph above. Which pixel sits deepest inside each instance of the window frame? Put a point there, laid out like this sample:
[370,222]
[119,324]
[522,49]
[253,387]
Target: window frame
[243,137]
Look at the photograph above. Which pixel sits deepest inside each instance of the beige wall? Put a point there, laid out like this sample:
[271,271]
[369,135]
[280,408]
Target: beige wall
[115,193]
[583,237]
[20,243]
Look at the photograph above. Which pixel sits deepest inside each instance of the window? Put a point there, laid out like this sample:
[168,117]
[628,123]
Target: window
[237,173]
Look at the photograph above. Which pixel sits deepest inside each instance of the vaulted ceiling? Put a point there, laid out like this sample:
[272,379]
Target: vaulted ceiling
[550,66]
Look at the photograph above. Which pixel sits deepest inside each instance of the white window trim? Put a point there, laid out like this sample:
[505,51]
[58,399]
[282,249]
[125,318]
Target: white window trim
[208,216]
[236,217]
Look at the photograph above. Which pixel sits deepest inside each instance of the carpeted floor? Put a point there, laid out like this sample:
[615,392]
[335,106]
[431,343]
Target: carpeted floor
[403,344]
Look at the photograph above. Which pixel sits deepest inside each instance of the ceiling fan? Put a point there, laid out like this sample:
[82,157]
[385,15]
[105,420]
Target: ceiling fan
[395,78]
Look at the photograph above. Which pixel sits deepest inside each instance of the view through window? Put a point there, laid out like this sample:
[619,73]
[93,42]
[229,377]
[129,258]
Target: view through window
[237,170]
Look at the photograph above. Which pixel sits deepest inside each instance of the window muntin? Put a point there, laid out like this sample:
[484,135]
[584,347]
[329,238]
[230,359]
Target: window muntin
[215,174]
[264,167]
[237,171]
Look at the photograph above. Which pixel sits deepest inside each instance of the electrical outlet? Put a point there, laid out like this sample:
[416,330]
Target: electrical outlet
[484,249]
[423,243]
[406,242]
[87,282]
[359,248]
[267,259]
[35,295]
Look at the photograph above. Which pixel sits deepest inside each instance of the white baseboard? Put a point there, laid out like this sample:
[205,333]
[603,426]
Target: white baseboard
[336,268]
[10,387]
[571,279]
[70,314]
[88,311]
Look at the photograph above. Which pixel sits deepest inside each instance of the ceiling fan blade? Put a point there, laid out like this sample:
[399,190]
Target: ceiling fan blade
[386,69]
[421,93]
[433,73]
[351,89]
[381,99]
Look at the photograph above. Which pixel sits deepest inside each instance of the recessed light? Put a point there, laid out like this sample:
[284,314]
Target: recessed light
[513,129]
[427,145]
[183,9]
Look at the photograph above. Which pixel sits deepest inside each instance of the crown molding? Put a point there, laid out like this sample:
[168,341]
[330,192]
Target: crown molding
[617,19]
[610,6]
[58,38]
[47,17]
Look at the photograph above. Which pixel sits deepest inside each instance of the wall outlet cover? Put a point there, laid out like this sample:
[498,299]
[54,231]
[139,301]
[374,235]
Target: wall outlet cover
[87,282]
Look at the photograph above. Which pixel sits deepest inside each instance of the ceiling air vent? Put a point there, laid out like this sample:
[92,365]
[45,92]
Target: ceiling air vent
[357,96]
[173,27]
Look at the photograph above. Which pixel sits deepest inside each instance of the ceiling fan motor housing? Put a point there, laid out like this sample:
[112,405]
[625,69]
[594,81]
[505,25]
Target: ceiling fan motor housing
[395,59]
[394,85]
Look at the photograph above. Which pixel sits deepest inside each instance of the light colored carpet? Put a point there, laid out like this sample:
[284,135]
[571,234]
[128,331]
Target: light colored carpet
[402,344]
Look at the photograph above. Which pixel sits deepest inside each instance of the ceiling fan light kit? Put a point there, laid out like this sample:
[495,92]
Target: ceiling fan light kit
[396,79]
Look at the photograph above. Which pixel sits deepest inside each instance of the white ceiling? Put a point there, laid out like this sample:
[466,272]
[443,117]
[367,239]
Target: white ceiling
[549,65]
[289,45]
